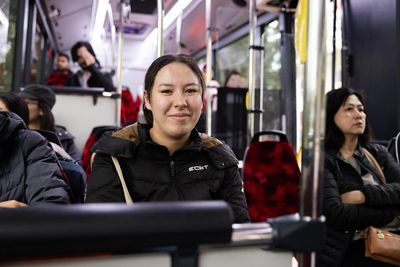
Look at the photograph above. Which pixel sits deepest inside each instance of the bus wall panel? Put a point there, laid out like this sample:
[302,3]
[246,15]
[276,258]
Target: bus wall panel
[371,37]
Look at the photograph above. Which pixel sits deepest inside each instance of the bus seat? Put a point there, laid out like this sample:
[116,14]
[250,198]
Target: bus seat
[94,136]
[271,176]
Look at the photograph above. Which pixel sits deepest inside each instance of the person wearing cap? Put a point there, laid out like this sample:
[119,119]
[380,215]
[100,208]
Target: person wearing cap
[90,74]
[29,172]
[40,100]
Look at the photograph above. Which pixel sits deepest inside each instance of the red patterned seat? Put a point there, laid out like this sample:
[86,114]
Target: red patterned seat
[271,177]
[94,136]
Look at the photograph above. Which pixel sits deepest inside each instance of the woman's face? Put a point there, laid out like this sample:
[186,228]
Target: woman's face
[351,118]
[235,81]
[3,106]
[34,109]
[62,62]
[175,101]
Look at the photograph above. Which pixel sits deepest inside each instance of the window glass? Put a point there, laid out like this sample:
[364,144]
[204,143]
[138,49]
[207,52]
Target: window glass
[8,11]
[234,56]
[272,116]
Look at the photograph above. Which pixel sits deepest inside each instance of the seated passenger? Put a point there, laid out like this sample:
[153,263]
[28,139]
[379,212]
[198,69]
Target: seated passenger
[62,72]
[233,80]
[91,74]
[40,100]
[167,159]
[29,172]
[12,102]
[355,194]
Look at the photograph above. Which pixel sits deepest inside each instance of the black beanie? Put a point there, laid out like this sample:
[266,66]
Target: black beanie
[41,93]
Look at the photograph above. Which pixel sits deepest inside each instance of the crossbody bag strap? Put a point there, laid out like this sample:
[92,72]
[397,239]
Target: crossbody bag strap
[128,197]
[375,165]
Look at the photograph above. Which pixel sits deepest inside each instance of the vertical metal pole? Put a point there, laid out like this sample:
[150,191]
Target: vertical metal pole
[252,63]
[334,45]
[313,118]
[262,81]
[160,28]
[313,124]
[19,44]
[178,33]
[209,64]
[119,63]
[30,43]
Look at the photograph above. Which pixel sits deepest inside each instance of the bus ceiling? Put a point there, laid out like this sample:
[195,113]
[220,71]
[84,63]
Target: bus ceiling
[75,20]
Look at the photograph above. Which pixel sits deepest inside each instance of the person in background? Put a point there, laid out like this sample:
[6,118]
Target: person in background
[354,195]
[29,172]
[40,100]
[62,72]
[12,102]
[167,159]
[90,74]
[212,92]
[233,80]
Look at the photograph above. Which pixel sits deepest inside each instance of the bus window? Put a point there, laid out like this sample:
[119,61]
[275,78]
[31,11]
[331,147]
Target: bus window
[37,48]
[234,56]
[272,84]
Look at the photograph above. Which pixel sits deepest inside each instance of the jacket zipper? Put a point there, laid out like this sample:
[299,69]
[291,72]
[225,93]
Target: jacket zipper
[178,190]
[172,165]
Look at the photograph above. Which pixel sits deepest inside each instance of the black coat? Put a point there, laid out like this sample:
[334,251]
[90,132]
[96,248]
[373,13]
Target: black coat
[205,169]
[29,171]
[67,142]
[382,201]
[97,79]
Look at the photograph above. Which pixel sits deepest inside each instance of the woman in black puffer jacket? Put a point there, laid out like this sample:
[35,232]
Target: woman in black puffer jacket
[167,159]
[354,195]
[29,173]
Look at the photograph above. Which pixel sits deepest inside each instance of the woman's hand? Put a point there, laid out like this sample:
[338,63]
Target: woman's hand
[353,197]
[12,204]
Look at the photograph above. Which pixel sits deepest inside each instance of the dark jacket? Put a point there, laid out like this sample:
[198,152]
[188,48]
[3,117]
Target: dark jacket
[29,171]
[97,79]
[382,202]
[67,142]
[205,169]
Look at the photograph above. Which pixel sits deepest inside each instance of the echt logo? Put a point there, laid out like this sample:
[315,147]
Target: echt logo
[198,168]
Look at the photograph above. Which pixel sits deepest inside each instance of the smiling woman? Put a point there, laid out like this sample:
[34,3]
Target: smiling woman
[175,103]
[167,159]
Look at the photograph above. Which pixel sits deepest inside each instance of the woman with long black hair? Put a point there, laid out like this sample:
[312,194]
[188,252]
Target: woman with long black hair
[355,196]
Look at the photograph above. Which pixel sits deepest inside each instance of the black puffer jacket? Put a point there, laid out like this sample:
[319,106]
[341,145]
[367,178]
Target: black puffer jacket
[382,202]
[29,171]
[67,142]
[97,78]
[205,169]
